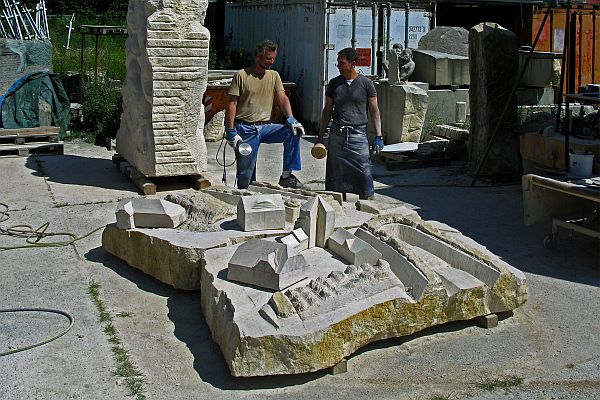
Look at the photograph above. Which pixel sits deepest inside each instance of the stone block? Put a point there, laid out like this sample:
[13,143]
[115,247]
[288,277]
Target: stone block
[352,249]
[165,82]
[441,106]
[21,57]
[446,39]
[493,63]
[440,69]
[261,212]
[403,109]
[540,71]
[266,264]
[149,213]
[450,132]
[461,111]
[213,131]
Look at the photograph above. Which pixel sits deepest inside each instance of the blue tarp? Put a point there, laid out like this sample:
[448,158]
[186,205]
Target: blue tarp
[20,105]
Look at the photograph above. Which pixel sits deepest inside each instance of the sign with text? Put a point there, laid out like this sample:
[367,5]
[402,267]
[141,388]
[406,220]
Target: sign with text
[364,57]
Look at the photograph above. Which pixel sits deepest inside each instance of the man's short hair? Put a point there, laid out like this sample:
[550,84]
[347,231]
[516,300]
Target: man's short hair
[349,54]
[264,46]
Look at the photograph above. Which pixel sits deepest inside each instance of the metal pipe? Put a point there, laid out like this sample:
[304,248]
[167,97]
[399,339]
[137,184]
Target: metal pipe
[406,21]
[36,31]
[569,68]
[593,44]
[388,27]
[20,17]
[45,15]
[354,12]
[373,37]
[580,53]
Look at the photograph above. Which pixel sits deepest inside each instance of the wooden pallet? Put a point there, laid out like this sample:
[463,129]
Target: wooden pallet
[410,160]
[20,136]
[145,184]
[25,150]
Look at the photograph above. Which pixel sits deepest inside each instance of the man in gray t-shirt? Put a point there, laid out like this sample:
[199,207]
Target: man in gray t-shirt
[350,98]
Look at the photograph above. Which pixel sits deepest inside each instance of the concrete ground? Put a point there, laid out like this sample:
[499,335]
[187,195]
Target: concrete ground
[549,348]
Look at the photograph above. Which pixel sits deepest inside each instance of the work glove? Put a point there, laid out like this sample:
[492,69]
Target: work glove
[232,137]
[378,144]
[296,126]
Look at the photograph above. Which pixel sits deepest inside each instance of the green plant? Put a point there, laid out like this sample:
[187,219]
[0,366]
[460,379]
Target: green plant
[500,383]
[101,109]
[126,368]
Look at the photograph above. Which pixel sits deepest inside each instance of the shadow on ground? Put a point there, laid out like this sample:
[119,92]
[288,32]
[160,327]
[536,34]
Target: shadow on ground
[190,327]
[80,171]
[493,217]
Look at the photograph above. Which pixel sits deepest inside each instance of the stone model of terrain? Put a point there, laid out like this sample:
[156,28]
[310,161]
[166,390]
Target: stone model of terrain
[428,274]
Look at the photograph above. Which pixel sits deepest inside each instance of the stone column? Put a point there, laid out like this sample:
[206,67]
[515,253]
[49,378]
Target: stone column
[162,126]
[493,63]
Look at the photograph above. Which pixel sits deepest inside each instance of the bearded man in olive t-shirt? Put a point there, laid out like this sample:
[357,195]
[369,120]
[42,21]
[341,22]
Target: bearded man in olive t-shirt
[248,117]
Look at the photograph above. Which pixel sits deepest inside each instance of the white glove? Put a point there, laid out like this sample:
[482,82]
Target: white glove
[233,142]
[297,128]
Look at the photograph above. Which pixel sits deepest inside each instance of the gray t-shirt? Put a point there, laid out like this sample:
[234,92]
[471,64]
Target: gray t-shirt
[350,103]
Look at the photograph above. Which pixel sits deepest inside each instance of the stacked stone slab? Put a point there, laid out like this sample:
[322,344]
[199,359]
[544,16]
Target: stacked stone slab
[493,62]
[440,69]
[161,131]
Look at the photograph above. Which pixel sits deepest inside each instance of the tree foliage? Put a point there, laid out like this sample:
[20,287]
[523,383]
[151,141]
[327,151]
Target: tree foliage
[103,10]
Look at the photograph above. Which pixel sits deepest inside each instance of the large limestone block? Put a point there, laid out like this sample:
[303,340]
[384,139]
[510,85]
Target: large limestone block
[440,69]
[429,274]
[403,109]
[446,39]
[161,132]
[493,62]
[172,256]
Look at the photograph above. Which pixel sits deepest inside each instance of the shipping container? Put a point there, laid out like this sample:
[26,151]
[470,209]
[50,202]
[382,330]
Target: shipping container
[310,33]
[586,24]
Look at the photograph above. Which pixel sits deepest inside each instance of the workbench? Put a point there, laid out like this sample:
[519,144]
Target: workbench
[571,204]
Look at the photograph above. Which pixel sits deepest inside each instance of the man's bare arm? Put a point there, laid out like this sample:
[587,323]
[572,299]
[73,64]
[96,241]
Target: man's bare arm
[374,113]
[230,110]
[284,103]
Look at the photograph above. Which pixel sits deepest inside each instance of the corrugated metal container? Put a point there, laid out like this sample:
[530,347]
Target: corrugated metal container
[309,34]
[587,47]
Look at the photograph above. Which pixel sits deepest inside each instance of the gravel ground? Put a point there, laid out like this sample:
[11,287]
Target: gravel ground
[547,350]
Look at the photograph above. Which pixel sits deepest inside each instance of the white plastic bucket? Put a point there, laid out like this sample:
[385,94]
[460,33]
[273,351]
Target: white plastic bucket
[580,165]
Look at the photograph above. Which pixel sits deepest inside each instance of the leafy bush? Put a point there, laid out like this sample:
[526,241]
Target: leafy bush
[101,109]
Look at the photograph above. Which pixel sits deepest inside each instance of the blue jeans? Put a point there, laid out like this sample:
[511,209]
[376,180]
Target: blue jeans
[254,135]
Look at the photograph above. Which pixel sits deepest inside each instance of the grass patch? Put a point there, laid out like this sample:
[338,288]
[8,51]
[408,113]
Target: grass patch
[124,314]
[132,377]
[500,383]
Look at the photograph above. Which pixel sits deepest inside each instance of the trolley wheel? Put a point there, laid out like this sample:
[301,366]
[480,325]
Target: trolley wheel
[550,241]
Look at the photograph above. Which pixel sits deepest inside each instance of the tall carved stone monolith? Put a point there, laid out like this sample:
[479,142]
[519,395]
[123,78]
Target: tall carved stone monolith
[161,131]
[493,63]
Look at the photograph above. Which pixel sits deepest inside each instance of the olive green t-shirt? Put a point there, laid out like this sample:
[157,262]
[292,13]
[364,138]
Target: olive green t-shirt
[255,101]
